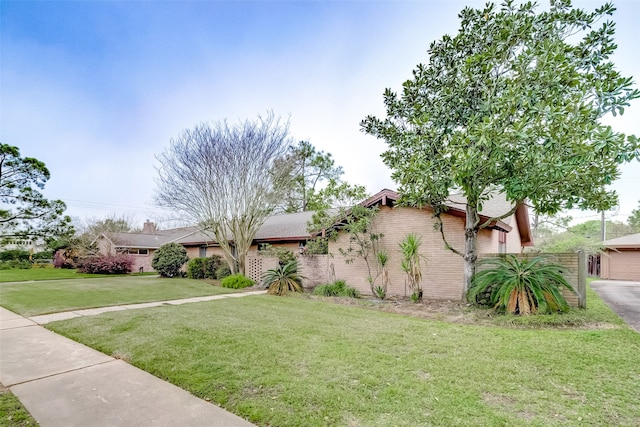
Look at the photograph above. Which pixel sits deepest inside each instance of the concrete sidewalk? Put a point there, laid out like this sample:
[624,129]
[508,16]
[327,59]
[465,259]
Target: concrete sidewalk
[65,315]
[64,383]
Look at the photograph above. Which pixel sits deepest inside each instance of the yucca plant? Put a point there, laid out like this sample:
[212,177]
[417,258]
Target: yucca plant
[514,286]
[283,279]
[411,263]
[380,291]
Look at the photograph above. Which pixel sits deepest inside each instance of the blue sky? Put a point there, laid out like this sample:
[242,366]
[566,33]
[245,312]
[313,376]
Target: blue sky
[96,89]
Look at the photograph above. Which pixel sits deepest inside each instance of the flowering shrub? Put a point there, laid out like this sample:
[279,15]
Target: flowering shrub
[106,264]
[61,261]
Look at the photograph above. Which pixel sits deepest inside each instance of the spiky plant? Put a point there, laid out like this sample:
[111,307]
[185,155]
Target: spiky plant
[283,279]
[411,259]
[380,291]
[527,286]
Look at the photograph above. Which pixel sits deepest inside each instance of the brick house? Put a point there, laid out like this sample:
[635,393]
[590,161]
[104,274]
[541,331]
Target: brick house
[443,271]
[285,230]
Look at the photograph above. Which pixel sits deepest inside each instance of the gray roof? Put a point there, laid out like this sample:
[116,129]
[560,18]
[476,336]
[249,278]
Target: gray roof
[283,227]
[291,226]
[137,240]
[495,207]
[192,235]
[629,241]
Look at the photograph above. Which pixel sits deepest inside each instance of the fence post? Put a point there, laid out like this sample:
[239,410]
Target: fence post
[582,280]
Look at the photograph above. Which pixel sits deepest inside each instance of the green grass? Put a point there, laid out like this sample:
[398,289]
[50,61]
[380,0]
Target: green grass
[34,298]
[12,413]
[302,362]
[597,314]
[50,273]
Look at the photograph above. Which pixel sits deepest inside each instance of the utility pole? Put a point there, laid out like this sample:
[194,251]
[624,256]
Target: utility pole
[603,226]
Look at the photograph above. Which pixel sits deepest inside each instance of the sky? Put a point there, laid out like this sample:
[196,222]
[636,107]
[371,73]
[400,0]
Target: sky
[97,89]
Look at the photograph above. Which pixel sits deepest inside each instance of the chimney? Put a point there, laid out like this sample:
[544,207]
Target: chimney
[149,227]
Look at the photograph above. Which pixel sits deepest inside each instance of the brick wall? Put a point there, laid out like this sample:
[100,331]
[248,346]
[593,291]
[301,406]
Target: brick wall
[442,270]
[142,262]
[314,268]
[256,266]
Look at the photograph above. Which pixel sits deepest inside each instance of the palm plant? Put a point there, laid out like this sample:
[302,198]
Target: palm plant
[380,291]
[283,279]
[527,286]
[411,263]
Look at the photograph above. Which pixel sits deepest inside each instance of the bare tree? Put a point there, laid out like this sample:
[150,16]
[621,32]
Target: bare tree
[222,177]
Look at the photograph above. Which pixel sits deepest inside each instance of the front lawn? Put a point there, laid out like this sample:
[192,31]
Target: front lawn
[301,362]
[46,273]
[12,412]
[34,298]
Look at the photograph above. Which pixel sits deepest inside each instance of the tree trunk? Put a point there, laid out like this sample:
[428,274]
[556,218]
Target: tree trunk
[470,246]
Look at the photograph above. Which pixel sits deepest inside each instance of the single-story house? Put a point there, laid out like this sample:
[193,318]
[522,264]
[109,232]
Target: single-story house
[442,269]
[620,258]
[285,230]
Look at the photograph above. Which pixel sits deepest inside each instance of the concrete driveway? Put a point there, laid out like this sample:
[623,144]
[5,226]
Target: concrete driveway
[623,297]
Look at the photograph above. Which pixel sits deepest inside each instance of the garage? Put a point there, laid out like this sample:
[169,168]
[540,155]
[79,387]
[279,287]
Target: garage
[621,258]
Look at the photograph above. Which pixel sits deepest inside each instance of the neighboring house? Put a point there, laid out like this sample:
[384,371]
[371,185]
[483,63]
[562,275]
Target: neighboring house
[443,271]
[23,244]
[286,230]
[620,258]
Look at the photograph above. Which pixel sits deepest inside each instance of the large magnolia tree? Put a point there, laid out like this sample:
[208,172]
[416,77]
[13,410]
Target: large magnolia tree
[512,103]
[222,177]
[24,211]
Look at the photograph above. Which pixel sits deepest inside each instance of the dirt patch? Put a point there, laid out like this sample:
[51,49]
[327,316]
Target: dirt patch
[507,404]
[468,314]
[447,311]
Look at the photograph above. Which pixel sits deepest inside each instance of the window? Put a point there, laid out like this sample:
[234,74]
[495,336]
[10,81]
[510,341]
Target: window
[203,252]
[135,251]
[502,242]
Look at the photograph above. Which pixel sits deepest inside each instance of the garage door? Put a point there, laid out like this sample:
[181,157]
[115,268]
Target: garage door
[624,265]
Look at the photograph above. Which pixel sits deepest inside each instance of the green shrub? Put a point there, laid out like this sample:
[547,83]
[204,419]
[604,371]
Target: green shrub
[44,255]
[338,288]
[205,268]
[212,264]
[15,264]
[223,271]
[196,268]
[284,255]
[14,255]
[236,281]
[169,259]
[317,246]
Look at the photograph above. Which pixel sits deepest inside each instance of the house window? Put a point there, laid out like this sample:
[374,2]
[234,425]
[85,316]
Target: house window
[203,252]
[502,242]
[135,251]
